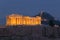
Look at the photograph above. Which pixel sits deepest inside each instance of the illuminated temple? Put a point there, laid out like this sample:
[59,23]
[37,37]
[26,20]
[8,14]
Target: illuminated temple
[16,19]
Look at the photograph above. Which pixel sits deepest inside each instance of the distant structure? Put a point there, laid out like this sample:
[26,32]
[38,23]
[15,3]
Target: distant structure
[16,19]
[41,18]
[46,17]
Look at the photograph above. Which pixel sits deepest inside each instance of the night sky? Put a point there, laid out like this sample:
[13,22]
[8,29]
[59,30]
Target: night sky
[29,7]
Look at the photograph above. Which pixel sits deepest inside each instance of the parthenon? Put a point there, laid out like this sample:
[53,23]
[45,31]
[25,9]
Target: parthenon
[16,19]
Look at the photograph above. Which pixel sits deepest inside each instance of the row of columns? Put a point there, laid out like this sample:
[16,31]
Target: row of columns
[23,21]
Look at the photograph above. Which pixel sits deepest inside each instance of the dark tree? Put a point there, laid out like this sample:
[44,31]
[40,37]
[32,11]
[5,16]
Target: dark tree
[51,23]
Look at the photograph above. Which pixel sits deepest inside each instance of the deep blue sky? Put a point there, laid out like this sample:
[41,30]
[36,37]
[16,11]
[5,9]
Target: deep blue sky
[29,7]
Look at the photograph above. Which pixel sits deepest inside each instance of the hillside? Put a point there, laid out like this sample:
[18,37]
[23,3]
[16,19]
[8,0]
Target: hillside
[43,32]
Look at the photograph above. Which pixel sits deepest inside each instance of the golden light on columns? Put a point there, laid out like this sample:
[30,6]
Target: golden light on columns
[16,19]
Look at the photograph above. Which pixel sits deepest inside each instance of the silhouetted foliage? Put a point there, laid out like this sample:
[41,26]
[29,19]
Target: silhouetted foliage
[51,23]
[57,22]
